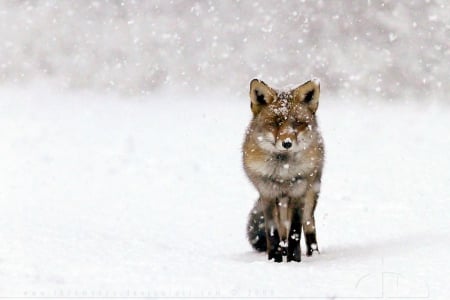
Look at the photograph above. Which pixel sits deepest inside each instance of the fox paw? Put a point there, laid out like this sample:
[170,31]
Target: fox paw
[311,249]
[276,255]
[311,244]
[294,255]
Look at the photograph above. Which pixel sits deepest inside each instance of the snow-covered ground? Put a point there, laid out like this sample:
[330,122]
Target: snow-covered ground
[102,196]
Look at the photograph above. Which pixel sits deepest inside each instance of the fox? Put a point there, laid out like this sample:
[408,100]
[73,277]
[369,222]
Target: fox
[283,157]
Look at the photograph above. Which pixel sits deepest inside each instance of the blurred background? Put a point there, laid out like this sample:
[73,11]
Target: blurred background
[386,48]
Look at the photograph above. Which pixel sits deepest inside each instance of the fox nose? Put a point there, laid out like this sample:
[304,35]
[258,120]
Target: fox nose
[286,144]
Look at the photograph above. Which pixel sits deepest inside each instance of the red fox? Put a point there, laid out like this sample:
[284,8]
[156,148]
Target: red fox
[283,157]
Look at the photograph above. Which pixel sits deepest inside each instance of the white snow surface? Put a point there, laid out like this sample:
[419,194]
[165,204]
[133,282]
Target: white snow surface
[105,196]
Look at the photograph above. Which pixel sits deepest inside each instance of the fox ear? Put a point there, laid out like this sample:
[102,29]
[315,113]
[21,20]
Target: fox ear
[309,93]
[260,95]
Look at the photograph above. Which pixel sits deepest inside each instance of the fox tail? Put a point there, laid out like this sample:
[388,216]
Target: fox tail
[256,233]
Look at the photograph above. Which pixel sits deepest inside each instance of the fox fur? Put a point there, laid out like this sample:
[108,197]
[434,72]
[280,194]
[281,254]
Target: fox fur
[283,156]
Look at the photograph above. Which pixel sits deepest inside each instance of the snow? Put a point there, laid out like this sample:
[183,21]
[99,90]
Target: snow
[137,47]
[146,196]
[122,123]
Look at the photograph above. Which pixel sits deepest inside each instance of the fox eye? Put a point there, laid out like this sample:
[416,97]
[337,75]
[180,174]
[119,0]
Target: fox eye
[299,124]
[274,123]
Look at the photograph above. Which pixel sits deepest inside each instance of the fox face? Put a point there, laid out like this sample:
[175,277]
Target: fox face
[284,120]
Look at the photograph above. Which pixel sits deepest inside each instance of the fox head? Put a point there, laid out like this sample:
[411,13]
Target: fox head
[284,120]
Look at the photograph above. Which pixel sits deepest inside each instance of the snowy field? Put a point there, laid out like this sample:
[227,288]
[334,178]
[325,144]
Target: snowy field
[146,197]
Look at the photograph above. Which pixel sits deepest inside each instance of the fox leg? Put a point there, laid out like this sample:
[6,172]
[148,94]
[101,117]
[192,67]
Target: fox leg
[308,221]
[272,237]
[295,233]
[283,221]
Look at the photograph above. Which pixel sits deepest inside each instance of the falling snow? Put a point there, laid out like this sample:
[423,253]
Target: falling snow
[136,47]
[121,126]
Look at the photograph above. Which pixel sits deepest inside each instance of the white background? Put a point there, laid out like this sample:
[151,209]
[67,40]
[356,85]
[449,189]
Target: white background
[121,127]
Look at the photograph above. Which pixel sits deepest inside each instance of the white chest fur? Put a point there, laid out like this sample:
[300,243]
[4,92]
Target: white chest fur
[281,174]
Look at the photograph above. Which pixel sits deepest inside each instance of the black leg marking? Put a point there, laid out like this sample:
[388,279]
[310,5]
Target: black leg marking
[274,249]
[294,251]
[272,237]
[311,243]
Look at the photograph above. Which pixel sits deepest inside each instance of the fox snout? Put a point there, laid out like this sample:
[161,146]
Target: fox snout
[286,143]
[286,138]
